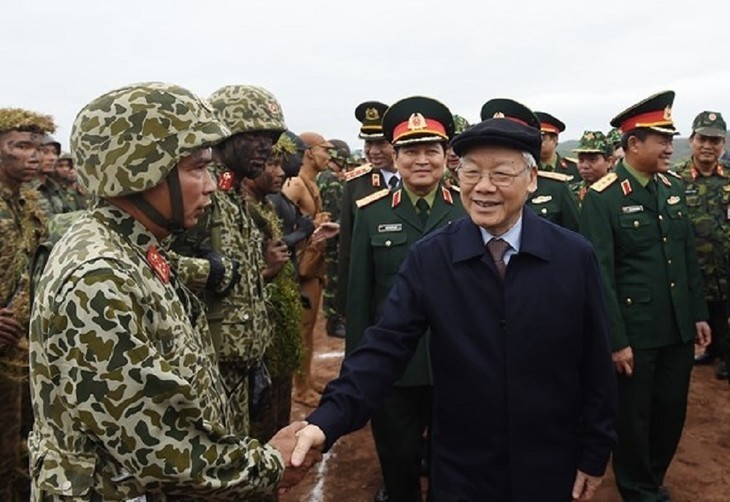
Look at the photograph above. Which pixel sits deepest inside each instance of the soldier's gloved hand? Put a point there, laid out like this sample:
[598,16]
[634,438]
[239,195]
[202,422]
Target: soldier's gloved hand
[224,272]
[10,330]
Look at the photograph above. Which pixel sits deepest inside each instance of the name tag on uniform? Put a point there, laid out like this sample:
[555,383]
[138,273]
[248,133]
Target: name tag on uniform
[390,227]
[632,209]
[542,199]
[674,199]
[690,191]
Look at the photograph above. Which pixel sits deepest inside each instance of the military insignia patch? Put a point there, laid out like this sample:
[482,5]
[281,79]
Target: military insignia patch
[542,199]
[376,180]
[395,202]
[668,113]
[626,187]
[225,181]
[447,196]
[416,121]
[158,264]
[664,179]
[372,197]
[357,172]
[605,182]
[390,227]
[372,114]
[498,115]
[674,199]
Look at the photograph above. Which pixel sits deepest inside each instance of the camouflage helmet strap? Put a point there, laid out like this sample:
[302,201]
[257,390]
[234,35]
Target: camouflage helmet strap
[177,222]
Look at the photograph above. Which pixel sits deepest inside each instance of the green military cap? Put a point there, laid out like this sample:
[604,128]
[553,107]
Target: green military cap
[654,113]
[418,119]
[709,124]
[340,151]
[370,114]
[594,142]
[549,124]
[505,122]
[460,124]
[355,159]
[18,119]
[614,136]
[50,140]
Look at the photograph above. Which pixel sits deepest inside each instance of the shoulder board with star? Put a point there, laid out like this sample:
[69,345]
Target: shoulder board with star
[358,171]
[369,199]
[672,173]
[605,182]
[555,176]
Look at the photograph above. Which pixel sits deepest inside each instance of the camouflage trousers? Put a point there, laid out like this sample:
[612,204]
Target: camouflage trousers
[16,419]
[235,380]
[329,295]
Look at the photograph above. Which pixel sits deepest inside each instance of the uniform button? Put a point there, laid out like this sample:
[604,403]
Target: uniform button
[543,210]
[679,213]
[661,217]
[636,223]
[66,485]
[669,262]
[388,243]
[664,239]
[671,284]
[246,317]
[629,301]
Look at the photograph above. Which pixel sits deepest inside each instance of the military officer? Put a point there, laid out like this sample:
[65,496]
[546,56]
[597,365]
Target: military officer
[550,159]
[128,401]
[707,189]
[377,174]
[638,221]
[614,136]
[386,224]
[22,227]
[224,253]
[595,158]
[553,199]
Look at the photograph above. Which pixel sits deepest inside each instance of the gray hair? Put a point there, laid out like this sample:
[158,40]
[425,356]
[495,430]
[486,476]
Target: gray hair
[529,160]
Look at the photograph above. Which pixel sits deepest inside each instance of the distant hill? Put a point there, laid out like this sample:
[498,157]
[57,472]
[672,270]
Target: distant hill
[681,148]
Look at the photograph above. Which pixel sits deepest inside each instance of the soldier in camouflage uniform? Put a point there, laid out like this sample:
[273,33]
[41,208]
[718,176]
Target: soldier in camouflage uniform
[22,226]
[224,254]
[53,198]
[452,160]
[614,136]
[66,175]
[595,158]
[128,400]
[354,160]
[331,184]
[707,189]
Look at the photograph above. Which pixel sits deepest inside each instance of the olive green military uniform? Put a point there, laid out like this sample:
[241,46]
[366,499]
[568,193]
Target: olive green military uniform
[563,165]
[654,296]
[554,201]
[384,231]
[360,182]
[708,201]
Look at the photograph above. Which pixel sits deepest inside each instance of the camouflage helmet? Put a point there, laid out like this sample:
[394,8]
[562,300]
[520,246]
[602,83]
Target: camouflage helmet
[50,140]
[341,150]
[128,140]
[460,124]
[614,136]
[248,108]
[594,142]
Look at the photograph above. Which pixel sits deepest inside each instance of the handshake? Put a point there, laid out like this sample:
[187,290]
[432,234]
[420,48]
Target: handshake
[300,445]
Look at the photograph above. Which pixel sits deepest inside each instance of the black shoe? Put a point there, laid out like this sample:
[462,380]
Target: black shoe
[335,328]
[663,495]
[721,371]
[382,495]
[704,359]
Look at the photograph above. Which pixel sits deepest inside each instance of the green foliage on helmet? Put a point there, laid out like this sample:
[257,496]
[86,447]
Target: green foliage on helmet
[128,140]
[460,124]
[248,108]
[18,119]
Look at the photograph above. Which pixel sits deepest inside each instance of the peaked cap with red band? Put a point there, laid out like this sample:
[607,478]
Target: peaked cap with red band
[505,122]
[370,114]
[549,124]
[654,112]
[418,119]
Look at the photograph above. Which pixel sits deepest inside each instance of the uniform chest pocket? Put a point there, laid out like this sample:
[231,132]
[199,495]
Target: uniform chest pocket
[637,230]
[65,474]
[389,250]
[545,209]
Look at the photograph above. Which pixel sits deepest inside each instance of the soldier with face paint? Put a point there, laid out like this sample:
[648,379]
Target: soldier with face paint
[128,400]
[22,226]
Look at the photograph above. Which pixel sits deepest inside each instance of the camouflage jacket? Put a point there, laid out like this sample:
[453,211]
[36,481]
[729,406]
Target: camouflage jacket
[708,202]
[22,227]
[126,394]
[238,318]
[330,189]
[53,197]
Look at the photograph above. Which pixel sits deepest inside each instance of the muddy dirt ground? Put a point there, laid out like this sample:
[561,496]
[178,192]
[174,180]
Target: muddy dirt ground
[700,470]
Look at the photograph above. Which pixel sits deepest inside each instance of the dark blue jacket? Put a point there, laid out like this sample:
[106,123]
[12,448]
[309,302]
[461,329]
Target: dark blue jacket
[524,387]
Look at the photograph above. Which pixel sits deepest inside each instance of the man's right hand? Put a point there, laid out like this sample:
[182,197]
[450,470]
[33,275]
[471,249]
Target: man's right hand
[623,361]
[310,437]
[286,441]
[10,330]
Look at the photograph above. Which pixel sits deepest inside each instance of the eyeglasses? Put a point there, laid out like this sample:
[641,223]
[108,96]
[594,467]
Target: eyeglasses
[471,176]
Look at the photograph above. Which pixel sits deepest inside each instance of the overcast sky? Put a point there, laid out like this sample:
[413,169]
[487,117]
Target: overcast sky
[581,61]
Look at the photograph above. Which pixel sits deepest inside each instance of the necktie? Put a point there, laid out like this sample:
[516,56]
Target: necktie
[423,208]
[497,248]
[393,182]
[652,187]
